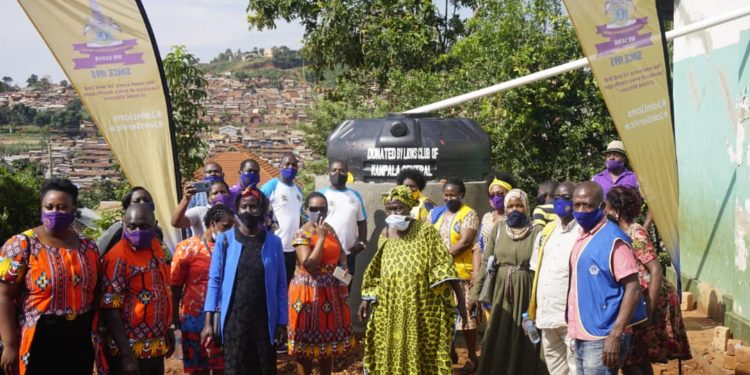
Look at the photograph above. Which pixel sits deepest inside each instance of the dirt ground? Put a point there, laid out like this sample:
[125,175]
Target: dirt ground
[700,332]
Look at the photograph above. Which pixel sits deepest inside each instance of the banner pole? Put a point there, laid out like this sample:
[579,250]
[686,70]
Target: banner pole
[167,98]
[570,66]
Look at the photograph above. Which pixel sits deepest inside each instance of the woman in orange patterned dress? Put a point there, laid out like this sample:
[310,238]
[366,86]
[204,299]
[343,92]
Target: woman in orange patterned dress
[320,326]
[48,277]
[189,281]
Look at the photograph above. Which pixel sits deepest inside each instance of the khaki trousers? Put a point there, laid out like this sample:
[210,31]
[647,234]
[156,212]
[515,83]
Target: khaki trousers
[558,352]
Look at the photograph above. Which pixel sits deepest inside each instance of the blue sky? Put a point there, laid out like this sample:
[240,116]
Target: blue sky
[206,27]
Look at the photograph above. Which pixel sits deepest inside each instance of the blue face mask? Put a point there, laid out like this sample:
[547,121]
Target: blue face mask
[563,207]
[517,219]
[289,173]
[213,179]
[588,220]
[249,179]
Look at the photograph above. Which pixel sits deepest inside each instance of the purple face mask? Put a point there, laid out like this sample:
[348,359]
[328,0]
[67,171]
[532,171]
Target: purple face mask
[224,199]
[615,165]
[139,238]
[497,203]
[56,221]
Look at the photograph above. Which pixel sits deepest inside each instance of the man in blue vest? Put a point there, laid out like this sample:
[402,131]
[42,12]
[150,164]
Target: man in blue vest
[604,298]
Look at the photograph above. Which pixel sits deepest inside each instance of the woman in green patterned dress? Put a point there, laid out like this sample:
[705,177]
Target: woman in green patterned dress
[505,349]
[410,284]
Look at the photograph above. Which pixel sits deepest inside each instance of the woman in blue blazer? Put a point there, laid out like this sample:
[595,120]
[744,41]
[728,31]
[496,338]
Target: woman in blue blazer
[247,290]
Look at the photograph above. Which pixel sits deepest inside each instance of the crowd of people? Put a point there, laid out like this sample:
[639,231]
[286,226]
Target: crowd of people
[267,270]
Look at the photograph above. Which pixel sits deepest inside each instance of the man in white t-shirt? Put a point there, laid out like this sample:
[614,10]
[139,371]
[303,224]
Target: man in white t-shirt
[286,205]
[184,217]
[346,213]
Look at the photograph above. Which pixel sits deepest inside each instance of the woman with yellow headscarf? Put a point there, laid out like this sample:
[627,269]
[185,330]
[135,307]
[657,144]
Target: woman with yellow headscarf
[498,185]
[415,180]
[510,242]
[410,285]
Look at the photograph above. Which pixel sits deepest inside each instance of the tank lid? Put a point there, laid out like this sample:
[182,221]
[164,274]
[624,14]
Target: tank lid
[408,115]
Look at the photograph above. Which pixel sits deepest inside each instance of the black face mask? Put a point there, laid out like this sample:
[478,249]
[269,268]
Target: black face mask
[338,179]
[249,220]
[453,205]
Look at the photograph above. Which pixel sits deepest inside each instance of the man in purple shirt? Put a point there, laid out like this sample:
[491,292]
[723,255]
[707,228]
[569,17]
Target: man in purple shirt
[249,176]
[615,173]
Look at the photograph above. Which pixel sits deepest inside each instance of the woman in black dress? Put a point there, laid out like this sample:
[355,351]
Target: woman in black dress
[247,266]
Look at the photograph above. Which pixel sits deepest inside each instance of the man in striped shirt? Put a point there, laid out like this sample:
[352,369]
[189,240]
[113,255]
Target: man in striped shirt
[544,213]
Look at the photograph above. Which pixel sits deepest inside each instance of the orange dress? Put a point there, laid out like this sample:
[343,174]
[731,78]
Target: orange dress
[52,281]
[320,324]
[137,283]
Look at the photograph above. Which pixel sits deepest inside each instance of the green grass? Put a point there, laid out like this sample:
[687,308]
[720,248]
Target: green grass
[260,67]
[20,129]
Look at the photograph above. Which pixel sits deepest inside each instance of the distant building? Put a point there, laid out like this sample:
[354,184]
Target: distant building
[231,131]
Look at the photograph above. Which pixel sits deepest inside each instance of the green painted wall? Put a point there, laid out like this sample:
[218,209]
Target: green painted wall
[713,155]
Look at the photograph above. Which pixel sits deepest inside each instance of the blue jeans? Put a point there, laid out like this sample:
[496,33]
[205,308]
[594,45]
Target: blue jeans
[589,356]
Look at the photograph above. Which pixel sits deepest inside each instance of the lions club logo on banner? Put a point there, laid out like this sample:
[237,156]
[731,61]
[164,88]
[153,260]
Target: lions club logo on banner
[622,30]
[103,46]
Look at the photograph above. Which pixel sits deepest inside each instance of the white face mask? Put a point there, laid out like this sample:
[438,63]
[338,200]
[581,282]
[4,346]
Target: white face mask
[398,222]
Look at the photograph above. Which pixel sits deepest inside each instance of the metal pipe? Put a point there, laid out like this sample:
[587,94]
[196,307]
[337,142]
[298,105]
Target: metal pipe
[570,66]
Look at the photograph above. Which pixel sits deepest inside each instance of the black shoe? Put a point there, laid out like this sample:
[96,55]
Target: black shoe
[281,348]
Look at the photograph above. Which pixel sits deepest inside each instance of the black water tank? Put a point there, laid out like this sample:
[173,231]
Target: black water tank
[377,149]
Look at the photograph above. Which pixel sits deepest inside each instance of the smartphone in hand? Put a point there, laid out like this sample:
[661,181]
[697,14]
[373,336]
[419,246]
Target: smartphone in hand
[343,276]
[202,186]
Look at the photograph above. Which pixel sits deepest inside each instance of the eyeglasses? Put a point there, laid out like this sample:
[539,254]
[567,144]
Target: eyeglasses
[316,209]
[498,194]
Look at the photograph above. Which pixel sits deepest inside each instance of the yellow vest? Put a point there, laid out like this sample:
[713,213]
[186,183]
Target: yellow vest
[463,262]
[546,232]
[420,212]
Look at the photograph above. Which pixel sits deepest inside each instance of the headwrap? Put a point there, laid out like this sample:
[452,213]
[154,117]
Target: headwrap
[518,233]
[252,191]
[402,194]
[518,194]
[502,183]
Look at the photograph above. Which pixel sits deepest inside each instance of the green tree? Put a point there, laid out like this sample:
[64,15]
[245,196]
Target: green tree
[19,200]
[68,119]
[64,83]
[187,89]
[371,36]
[551,129]
[100,190]
[42,118]
[42,84]
[22,114]
[5,84]
[285,58]
[32,80]
[108,218]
